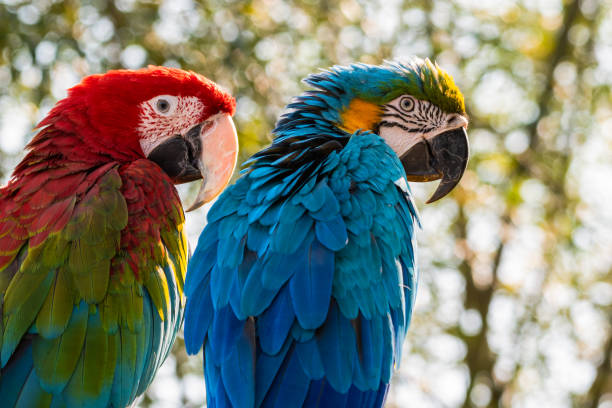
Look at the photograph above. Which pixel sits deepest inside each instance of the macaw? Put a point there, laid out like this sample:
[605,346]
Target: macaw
[92,248]
[302,284]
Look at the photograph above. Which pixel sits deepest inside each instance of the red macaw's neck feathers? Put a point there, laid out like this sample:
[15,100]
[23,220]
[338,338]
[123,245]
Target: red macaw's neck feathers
[93,264]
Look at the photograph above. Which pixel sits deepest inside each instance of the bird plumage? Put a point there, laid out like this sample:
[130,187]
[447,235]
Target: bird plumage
[93,253]
[302,284]
[94,292]
[320,285]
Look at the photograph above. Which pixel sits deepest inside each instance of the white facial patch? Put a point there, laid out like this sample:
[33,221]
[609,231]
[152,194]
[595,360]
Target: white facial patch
[165,116]
[406,121]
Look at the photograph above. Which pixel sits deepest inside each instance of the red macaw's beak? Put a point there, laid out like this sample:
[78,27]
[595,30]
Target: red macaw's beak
[445,156]
[207,151]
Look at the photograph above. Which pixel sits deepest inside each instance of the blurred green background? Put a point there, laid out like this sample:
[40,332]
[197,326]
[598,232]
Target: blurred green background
[515,299]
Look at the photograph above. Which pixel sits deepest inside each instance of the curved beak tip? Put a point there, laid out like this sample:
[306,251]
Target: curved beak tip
[219,154]
[444,156]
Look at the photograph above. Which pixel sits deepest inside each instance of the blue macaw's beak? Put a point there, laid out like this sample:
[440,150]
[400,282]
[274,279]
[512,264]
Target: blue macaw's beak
[444,156]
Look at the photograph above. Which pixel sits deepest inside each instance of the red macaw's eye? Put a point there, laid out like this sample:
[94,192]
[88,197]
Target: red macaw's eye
[163,105]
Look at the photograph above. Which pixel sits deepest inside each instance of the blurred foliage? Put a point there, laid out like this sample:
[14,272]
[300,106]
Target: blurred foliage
[515,300]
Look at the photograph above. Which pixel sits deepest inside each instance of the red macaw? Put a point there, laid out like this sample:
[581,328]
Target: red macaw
[92,248]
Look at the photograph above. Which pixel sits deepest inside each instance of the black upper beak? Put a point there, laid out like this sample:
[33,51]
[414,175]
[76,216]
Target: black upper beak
[444,156]
[179,156]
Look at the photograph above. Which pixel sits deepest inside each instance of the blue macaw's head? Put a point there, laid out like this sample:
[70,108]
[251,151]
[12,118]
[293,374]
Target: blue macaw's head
[414,106]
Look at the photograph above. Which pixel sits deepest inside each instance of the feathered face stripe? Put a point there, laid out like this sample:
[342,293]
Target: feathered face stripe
[406,120]
[413,115]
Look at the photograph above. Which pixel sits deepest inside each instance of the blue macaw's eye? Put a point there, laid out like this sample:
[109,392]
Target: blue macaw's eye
[163,105]
[406,104]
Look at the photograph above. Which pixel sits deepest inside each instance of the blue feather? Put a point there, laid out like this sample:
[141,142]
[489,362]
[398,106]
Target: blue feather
[255,213]
[230,252]
[209,236]
[311,289]
[270,216]
[198,315]
[291,213]
[238,371]
[310,359]
[223,334]
[266,369]
[388,344]
[255,297]
[223,208]
[220,398]
[258,238]
[234,299]
[289,235]
[16,372]
[238,283]
[199,268]
[273,325]
[151,337]
[301,334]
[32,394]
[279,267]
[241,228]
[262,171]
[323,395]
[332,233]
[260,181]
[370,351]
[220,283]
[315,199]
[330,207]
[290,386]
[337,345]
[211,371]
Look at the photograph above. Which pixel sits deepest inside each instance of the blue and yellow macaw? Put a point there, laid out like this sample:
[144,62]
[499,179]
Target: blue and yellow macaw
[302,284]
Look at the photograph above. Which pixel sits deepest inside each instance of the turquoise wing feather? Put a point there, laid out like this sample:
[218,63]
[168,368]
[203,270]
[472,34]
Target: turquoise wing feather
[300,292]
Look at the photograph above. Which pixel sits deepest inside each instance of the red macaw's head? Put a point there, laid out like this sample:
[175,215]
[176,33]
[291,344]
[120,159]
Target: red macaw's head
[178,119]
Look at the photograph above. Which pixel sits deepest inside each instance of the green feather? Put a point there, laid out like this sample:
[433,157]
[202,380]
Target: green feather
[109,313]
[176,242]
[55,359]
[56,310]
[93,376]
[53,252]
[95,231]
[157,286]
[132,345]
[129,302]
[91,282]
[23,299]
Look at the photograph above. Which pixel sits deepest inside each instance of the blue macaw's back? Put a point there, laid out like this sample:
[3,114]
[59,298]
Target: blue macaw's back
[302,285]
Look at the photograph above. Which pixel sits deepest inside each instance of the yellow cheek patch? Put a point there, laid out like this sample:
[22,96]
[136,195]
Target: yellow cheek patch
[360,115]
